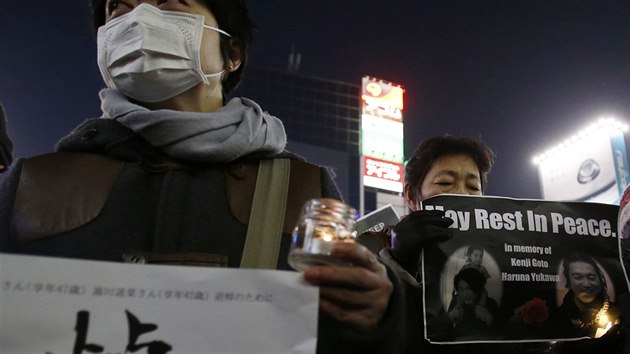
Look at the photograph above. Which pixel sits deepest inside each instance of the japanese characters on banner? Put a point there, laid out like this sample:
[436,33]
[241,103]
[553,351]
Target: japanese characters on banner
[382,134]
[382,174]
[53,305]
[523,270]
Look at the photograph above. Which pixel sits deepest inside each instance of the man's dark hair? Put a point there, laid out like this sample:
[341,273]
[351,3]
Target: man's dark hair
[585,258]
[433,149]
[475,280]
[232,16]
[6,146]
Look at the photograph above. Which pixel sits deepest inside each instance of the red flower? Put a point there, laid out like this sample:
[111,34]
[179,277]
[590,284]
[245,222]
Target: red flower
[534,311]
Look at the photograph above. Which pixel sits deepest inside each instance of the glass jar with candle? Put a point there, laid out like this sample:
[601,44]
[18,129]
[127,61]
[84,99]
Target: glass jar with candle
[322,222]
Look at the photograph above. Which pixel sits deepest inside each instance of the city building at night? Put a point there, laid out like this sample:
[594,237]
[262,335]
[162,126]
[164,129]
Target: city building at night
[322,118]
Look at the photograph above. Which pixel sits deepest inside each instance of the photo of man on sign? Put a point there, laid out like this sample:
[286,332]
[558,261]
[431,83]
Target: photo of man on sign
[587,307]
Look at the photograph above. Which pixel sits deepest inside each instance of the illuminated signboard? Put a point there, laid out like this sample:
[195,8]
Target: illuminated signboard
[382,99]
[382,174]
[591,166]
[381,145]
[382,132]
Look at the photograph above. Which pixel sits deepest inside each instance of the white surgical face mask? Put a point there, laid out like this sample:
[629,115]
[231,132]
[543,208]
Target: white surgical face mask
[152,55]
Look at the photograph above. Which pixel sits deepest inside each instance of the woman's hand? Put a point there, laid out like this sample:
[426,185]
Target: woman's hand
[356,295]
[414,232]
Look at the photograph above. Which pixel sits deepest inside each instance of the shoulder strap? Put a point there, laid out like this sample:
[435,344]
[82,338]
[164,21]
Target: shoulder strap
[266,219]
[304,184]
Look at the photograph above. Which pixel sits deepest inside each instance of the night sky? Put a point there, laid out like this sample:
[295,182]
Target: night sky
[522,75]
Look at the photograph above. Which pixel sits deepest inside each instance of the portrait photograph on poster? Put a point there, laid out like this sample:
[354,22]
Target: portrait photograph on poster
[523,270]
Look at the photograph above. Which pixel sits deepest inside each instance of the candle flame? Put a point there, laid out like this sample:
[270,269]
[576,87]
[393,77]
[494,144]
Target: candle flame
[603,321]
[601,331]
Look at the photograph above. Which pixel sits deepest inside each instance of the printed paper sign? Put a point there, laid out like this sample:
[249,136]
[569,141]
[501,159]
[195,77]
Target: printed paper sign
[377,220]
[523,270]
[55,306]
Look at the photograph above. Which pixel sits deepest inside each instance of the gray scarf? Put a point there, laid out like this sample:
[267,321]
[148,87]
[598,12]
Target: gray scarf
[237,129]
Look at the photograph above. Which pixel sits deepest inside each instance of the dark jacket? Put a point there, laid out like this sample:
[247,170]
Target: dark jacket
[109,195]
[574,322]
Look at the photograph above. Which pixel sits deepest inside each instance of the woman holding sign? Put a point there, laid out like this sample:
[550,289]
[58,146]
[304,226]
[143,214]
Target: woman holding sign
[454,165]
[444,164]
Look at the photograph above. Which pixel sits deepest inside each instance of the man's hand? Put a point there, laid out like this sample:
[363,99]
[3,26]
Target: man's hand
[414,232]
[356,295]
[456,314]
[483,314]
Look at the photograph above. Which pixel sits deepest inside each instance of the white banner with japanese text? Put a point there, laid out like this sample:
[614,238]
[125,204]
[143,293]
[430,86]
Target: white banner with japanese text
[55,306]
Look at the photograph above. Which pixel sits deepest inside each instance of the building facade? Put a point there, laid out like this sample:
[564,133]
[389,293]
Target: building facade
[322,119]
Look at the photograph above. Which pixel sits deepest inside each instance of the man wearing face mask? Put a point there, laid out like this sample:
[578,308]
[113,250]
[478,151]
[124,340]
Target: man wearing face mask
[172,173]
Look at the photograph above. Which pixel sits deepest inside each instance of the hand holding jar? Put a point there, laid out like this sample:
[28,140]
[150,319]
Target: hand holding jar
[354,286]
[322,223]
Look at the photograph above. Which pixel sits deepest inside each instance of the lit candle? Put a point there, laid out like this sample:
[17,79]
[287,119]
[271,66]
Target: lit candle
[601,331]
[322,244]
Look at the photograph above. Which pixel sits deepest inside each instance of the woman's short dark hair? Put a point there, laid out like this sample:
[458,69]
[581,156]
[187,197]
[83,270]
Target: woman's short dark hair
[475,280]
[232,16]
[433,149]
